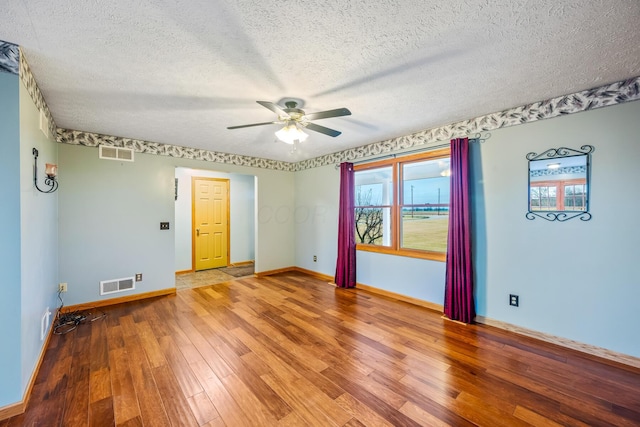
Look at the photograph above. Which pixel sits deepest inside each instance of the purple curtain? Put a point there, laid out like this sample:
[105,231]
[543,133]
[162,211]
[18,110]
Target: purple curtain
[346,264]
[458,291]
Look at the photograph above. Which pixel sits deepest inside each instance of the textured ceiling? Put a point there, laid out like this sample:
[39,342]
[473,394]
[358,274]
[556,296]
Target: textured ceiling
[180,72]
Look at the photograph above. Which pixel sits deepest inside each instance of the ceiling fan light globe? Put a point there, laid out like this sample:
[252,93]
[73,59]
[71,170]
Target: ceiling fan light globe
[290,133]
[302,136]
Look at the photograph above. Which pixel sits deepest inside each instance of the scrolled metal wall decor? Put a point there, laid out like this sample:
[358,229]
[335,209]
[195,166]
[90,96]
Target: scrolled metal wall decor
[559,184]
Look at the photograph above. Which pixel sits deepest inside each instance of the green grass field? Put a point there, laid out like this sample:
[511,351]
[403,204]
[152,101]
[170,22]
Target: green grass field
[428,234]
[423,232]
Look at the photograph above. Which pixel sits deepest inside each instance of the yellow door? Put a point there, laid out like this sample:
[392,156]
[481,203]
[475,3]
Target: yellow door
[210,223]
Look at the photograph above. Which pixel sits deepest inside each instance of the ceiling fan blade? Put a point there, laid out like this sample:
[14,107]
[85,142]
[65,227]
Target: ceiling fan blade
[322,129]
[275,108]
[330,113]
[253,124]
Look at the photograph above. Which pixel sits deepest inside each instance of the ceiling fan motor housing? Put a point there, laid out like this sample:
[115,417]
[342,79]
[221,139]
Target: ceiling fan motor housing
[292,115]
[295,113]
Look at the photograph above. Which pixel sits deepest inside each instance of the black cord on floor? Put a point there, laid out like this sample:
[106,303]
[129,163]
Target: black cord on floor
[67,322]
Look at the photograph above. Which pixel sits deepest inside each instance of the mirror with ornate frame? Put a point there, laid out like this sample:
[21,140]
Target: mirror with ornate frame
[559,184]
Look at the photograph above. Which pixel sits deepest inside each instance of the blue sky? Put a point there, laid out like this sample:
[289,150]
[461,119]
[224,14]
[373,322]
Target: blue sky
[424,191]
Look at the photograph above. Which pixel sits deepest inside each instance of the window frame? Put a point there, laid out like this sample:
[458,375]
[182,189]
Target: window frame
[397,204]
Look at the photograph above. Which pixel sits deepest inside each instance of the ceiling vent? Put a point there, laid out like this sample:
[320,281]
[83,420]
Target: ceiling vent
[44,124]
[117,285]
[116,153]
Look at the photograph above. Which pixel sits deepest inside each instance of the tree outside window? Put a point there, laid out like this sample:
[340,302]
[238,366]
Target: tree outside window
[402,205]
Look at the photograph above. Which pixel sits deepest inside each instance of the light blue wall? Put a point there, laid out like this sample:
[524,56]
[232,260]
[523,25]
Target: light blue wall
[316,218]
[273,200]
[10,350]
[110,213]
[241,210]
[317,199]
[243,217]
[39,236]
[413,277]
[576,279]
[275,221]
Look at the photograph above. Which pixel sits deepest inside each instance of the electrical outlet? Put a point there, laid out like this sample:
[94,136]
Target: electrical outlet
[62,287]
[514,300]
[138,277]
[164,226]
[315,258]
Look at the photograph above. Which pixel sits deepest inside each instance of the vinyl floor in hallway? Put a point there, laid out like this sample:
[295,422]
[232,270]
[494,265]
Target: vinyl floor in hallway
[207,277]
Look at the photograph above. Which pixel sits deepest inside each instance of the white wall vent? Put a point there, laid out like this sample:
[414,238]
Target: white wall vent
[44,124]
[117,285]
[116,153]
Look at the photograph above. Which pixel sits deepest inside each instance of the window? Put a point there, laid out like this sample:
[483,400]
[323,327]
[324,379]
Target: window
[559,195]
[543,197]
[402,205]
[575,196]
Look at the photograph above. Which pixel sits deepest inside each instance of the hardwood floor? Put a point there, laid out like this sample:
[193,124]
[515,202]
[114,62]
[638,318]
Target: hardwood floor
[290,350]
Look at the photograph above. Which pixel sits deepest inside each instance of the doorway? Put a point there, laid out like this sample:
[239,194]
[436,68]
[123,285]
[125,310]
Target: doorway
[242,217]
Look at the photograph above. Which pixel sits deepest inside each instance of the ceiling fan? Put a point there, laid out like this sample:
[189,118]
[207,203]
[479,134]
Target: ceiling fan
[296,119]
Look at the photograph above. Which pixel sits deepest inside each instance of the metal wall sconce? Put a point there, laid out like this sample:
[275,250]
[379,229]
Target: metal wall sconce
[50,171]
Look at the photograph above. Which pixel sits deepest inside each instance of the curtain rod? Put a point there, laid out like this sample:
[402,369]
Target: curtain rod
[478,137]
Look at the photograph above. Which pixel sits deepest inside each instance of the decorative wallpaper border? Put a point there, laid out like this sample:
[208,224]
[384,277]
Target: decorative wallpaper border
[570,170]
[9,57]
[89,139]
[34,92]
[611,94]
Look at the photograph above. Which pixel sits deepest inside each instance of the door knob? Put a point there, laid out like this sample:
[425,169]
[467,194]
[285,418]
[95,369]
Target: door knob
[197,232]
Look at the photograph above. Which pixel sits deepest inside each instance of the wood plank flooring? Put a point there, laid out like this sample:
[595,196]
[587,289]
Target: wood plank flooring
[290,350]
